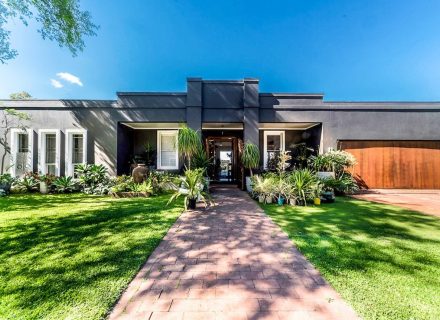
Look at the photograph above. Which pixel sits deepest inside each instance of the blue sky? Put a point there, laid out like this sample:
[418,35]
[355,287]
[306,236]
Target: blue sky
[349,50]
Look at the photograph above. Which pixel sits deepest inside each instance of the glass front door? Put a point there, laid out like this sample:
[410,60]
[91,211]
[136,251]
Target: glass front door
[223,155]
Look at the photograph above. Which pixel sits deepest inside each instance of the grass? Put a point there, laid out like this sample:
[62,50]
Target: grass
[71,256]
[384,260]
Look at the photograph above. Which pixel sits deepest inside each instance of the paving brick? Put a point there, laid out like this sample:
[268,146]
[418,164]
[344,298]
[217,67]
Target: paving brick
[229,261]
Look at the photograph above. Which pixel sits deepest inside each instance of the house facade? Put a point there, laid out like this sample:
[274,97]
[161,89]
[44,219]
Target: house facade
[397,144]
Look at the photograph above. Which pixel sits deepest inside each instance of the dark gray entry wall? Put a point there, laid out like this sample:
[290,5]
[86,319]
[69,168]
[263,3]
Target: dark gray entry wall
[237,101]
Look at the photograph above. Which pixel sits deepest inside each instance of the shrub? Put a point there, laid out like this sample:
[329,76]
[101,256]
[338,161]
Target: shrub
[342,184]
[64,184]
[6,180]
[27,184]
[93,178]
[304,184]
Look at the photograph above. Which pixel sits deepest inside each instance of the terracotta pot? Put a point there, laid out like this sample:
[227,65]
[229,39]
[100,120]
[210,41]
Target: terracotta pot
[140,173]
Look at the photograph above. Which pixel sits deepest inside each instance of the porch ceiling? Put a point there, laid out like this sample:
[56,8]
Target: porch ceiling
[152,125]
[288,125]
[222,126]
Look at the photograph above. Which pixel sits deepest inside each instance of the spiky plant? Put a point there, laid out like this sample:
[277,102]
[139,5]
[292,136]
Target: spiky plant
[251,156]
[188,141]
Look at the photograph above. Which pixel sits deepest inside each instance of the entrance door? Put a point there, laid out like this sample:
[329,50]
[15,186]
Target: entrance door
[224,159]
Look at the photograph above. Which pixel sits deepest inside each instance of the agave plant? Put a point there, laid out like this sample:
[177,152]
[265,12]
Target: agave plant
[189,142]
[192,187]
[27,183]
[64,184]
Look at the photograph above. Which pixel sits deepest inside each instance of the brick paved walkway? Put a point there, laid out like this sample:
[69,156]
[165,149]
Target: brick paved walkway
[229,262]
[425,201]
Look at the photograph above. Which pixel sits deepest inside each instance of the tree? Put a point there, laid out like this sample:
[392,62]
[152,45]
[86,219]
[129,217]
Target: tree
[22,95]
[61,20]
[188,142]
[10,119]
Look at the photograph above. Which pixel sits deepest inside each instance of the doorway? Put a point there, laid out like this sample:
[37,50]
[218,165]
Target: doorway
[224,156]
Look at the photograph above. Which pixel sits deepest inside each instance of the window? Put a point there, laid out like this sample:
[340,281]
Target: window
[76,149]
[167,151]
[49,151]
[273,144]
[21,151]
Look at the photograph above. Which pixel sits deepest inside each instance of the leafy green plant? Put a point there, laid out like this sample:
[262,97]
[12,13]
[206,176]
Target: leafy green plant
[27,184]
[321,162]
[304,184]
[145,187]
[342,184]
[93,178]
[201,159]
[188,141]
[250,157]
[6,181]
[64,184]
[192,187]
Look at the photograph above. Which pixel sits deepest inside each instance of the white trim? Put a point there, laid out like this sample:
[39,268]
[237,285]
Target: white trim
[14,150]
[160,133]
[282,143]
[42,150]
[69,143]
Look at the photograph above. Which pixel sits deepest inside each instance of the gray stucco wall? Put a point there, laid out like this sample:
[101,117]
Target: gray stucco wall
[225,102]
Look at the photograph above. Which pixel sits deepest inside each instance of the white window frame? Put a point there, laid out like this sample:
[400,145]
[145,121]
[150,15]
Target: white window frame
[282,142]
[70,170]
[42,150]
[160,133]
[14,149]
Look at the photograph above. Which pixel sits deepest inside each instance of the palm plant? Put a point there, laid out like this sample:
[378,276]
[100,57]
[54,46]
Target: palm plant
[250,157]
[189,142]
[27,183]
[192,187]
[201,159]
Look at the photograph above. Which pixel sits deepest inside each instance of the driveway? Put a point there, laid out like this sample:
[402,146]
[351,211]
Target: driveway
[229,262]
[425,201]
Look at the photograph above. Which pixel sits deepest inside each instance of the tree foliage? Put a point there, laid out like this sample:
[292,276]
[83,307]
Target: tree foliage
[10,119]
[22,95]
[61,21]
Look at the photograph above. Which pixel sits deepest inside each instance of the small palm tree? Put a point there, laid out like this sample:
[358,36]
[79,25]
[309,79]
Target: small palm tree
[189,142]
[251,156]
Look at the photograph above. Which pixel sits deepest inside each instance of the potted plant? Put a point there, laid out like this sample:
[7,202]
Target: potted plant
[192,188]
[259,187]
[322,164]
[45,182]
[250,159]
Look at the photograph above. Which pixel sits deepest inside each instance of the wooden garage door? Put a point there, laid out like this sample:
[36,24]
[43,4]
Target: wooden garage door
[396,164]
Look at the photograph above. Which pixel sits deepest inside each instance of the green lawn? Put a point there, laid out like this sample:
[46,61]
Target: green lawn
[70,256]
[385,261]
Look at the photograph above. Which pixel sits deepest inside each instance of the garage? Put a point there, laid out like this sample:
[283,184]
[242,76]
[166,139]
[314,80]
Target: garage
[395,164]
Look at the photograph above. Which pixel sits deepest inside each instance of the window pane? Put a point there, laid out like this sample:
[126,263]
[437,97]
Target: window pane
[51,169]
[273,142]
[51,149]
[23,142]
[77,148]
[168,150]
